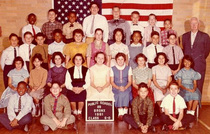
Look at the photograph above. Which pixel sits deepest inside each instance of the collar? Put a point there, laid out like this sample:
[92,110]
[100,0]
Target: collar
[55,96]
[193,33]
[60,43]
[136,45]
[80,67]
[120,68]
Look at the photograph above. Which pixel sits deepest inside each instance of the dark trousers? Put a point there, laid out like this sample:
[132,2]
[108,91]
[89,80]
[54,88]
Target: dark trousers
[4,120]
[7,68]
[143,118]
[201,81]
[186,120]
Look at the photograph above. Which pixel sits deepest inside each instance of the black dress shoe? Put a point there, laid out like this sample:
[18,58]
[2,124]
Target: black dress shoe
[165,127]
[152,129]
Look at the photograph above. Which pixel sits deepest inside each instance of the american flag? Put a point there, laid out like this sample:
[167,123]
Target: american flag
[163,9]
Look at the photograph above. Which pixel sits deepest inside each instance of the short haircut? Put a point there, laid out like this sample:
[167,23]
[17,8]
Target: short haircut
[31,14]
[59,54]
[135,12]
[139,32]
[99,29]
[94,3]
[188,58]
[115,7]
[38,56]
[99,52]
[142,85]
[56,82]
[159,54]
[72,12]
[80,55]
[118,30]
[141,55]
[120,55]
[57,31]
[18,58]
[27,33]
[173,83]
[40,34]
[152,14]
[154,33]
[171,35]
[167,20]
[13,34]
[79,31]
[22,82]
[52,10]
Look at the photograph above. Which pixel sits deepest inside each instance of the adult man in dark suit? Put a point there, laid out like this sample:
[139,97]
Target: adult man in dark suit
[197,45]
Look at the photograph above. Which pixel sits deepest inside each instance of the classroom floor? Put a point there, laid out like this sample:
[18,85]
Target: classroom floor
[202,126]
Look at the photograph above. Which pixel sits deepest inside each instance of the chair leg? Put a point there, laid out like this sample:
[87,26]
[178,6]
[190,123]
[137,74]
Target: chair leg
[197,112]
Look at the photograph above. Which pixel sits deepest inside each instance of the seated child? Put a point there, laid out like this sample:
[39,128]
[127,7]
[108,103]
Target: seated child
[37,81]
[173,106]
[18,110]
[143,111]
[187,79]
[57,110]
[15,76]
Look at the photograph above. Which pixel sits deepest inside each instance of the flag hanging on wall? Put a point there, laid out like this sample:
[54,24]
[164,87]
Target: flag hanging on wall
[163,9]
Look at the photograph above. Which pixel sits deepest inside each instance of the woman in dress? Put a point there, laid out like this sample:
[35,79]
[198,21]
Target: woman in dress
[187,79]
[161,75]
[121,84]
[96,46]
[100,87]
[75,47]
[77,81]
[14,77]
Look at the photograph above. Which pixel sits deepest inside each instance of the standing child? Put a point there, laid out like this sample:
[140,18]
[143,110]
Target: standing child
[8,55]
[173,106]
[18,110]
[30,27]
[187,79]
[153,49]
[69,27]
[71,49]
[174,54]
[161,75]
[15,76]
[118,46]
[165,33]
[42,49]
[135,48]
[57,110]
[37,81]
[150,28]
[135,24]
[56,46]
[25,50]
[96,46]
[143,111]
[50,26]
[121,84]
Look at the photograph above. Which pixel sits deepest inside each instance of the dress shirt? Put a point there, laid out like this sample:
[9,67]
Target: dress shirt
[164,36]
[68,31]
[49,27]
[26,106]
[8,56]
[28,28]
[147,33]
[150,53]
[192,37]
[169,53]
[137,27]
[99,22]
[167,103]
[77,75]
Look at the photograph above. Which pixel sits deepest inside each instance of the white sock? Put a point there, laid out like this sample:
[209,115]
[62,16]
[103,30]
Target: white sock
[120,111]
[125,111]
[188,111]
[192,112]
[75,112]
[79,112]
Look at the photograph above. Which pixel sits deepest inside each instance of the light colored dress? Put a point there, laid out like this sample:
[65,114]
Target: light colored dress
[16,76]
[99,76]
[115,49]
[162,73]
[187,77]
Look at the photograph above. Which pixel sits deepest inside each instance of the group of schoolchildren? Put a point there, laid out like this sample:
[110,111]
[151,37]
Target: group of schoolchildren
[64,75]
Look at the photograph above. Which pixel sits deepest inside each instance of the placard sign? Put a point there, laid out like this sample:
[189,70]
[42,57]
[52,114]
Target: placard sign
[102,110]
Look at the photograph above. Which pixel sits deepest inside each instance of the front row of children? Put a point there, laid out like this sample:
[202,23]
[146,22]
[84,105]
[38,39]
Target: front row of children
[58,112]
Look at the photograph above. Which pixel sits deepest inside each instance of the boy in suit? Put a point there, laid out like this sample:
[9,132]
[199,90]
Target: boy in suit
[18,110]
